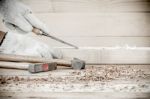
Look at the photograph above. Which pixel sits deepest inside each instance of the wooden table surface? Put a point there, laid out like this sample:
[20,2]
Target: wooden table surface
[106,81]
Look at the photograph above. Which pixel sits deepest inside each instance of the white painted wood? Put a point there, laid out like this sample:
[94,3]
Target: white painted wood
[125,56]
[93,30]
[118,24]
[39,6]
[88,6]
[102,24]
[104,41]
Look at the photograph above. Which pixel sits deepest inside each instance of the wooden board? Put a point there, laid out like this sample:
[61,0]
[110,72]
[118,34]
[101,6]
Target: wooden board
[74,95]
[101,41]
[99,24]
[110,55]
[90,6]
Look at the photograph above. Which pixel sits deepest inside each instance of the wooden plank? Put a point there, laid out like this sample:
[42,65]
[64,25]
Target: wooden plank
[110,55]
[92,6]
[125,56]
[76,95]
[93,41]
[39,6]
[101,5]
[97,30]
[102,41]
[140,6]
[102,24]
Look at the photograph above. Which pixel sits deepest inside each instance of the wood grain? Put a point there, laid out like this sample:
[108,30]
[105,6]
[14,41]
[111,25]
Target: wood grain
[103,24]
[111,55]
[88,6]
[93,41]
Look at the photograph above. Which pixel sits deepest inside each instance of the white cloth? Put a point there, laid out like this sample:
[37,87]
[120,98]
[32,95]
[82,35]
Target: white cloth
[17,15]
[25,44]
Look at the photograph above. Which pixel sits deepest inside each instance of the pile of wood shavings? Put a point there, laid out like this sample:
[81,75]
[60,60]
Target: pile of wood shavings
[90,74]
[107,73]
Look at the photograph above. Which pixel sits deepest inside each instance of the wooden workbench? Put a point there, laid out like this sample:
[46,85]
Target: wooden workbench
[106,81]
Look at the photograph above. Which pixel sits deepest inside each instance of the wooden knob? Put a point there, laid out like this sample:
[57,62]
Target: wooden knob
[36,31]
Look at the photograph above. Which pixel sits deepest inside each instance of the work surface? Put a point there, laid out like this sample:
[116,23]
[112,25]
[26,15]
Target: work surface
[107,81]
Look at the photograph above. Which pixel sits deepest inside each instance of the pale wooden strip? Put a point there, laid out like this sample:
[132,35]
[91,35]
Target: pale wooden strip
[14,65]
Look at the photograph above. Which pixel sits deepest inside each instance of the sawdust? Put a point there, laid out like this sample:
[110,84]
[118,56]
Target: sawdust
[104,78]
[90,74]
